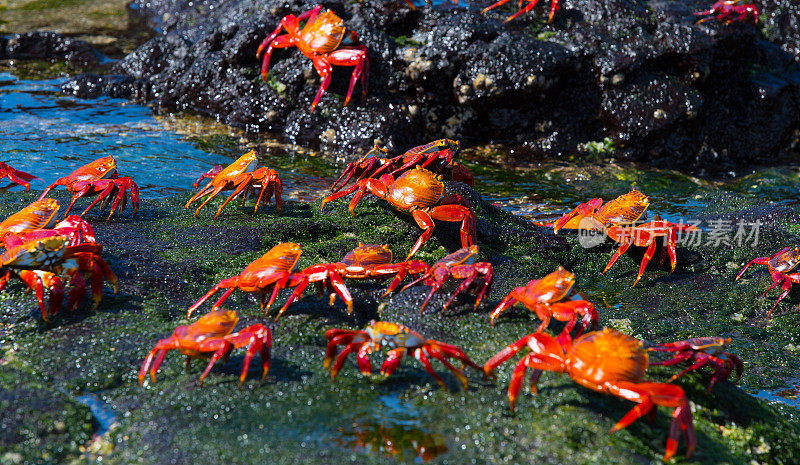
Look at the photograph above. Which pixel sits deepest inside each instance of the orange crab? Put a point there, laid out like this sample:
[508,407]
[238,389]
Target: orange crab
[398,339]
[436,156]
[37,217]
[326,42]
[779,266]
[17,177]
[554,6]
[419,193]
[605,361]
[730,11]
[616,219]
[273,269]
[623,210]
[240,177]
[458,265]
[542,297]
[702,351]
[99,178]
[211,337]
[364,262]
[47,261]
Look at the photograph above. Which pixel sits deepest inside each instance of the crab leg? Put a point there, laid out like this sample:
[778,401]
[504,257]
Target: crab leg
[420,355]
[393,361]
[224,350]
[647,395]
[352,347]
[456,372]
[354,56]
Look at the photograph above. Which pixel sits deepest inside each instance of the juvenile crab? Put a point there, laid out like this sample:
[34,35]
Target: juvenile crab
[779,266]
[419,193]
[364,262]
[326,42]
[211,337]
[436,156]
[46,261]
[18,177]
[99,178]
[554,6]
[458,265]
[605,361]
[273,269]
[240,177]
[730,11]
[398,339]
[542,297]
[702,351]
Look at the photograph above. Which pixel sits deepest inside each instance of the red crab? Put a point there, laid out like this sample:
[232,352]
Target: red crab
[605,361]
[99,178]
[398,339]
[542,297]
[46,262]
[239,177]
[623,210]
[779,266]
[326,42]
[730,11]
[458,265]
[419,193]
[364,262]
[436,156]
[272,270]
[211,337]
[645,235]
[554,6]
[15,176]
[702,351]
[36,217]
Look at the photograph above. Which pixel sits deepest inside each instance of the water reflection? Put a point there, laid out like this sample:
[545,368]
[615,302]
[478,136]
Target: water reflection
[789,396]
[398,441]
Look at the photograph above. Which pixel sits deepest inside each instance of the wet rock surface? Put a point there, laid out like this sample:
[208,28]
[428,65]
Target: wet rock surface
[49,46]
[165,259]
[664,90]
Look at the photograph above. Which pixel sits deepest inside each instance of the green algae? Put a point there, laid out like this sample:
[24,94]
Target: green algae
[165,259]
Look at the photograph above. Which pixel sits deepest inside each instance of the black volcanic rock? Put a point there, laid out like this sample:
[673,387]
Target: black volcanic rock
[665,90]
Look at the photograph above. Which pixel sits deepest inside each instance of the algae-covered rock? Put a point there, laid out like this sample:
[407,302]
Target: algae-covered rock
[166,259]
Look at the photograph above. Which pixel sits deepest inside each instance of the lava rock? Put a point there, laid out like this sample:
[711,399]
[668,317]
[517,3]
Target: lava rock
[645,75]
[48,46]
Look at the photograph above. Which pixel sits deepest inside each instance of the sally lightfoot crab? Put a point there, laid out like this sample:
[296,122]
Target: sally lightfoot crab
[702,351]
[99,178]
[17,177]
[326,42]
[543,297]
[367,261]
[211,337]
[605,361]
[271,271]
[458,265]
[730,11]
[399,340]
[241,177]
[419,193]
[779,266]
[46,261]
[436,156]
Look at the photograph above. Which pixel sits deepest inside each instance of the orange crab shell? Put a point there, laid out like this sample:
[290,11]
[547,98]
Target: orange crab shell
[416,188]
[623,210]
[98,169]
[366,255]
[551,288]
[282,257]
[606,355]
[324,34]
[38,215]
